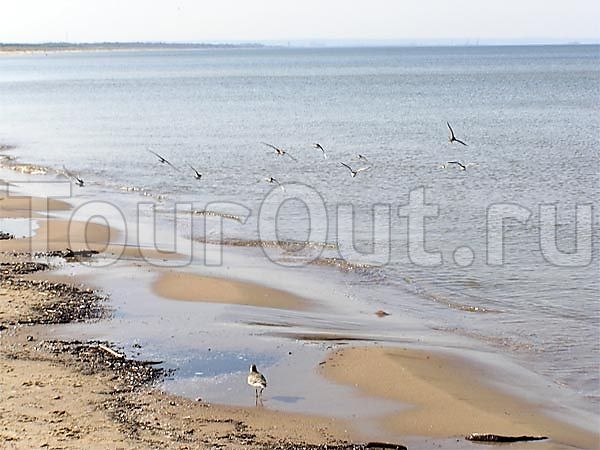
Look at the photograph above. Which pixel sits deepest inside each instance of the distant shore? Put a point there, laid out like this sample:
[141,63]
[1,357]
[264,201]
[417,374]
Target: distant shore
[51,47]
[71,47]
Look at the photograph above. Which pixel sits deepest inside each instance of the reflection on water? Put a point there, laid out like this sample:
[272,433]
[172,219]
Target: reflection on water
[214,363]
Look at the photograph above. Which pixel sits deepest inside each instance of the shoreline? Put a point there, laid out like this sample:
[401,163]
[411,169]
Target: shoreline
[90,393]
[446,396]
[54,235]
[44,47]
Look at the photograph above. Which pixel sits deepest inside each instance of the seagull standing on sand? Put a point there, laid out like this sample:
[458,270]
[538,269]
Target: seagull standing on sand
[197,175]
[452,138]
[353,172]
[257,380]
[320,147]
[279,151]
[162,160]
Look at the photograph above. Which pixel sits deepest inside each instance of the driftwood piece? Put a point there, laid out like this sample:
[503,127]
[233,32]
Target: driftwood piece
[110,351]
[384,445]
[69,253]
[150,363]
[479,437]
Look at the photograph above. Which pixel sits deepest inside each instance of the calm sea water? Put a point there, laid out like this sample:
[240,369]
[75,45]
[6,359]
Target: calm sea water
[529,115]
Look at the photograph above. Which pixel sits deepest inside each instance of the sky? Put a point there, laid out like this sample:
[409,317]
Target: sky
[290,20]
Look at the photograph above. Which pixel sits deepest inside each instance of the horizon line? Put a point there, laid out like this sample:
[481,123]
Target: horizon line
[328,42]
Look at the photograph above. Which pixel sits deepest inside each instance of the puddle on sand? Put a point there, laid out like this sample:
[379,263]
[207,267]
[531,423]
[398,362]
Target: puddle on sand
[19,228]
[216,363]
[294,385]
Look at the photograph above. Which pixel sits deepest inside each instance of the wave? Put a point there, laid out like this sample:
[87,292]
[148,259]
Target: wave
[286,245]
[10,162]
[296,248]
[141,191]
[205,212]
[415,287]
[342,264]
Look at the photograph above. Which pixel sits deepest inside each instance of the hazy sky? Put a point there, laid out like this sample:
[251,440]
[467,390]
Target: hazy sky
[260,20]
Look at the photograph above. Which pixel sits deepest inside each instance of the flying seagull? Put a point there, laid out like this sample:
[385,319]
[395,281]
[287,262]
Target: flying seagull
[275,181]
[459,164]
[257,381]
[360,157]
[197,175]
[452,138]
[162,160]
[353,172]
[78,181]
[279,151]
[320,147]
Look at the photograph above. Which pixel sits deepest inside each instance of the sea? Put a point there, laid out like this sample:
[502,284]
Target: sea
[504,253]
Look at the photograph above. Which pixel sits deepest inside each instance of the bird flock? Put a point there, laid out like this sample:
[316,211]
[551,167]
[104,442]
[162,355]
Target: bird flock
[362,163]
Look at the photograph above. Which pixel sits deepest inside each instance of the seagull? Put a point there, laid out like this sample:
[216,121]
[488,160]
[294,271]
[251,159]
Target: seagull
[78,181]
[452,138]
[279,151]
[256,380]
[162,160]
[360,157]
[197,174]
[354,172]
[459,164]
[320,147]
[274,181]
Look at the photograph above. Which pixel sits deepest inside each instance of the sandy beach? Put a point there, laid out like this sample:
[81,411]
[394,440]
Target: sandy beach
[54,397]
[192,287]
[76,394]
[446,396]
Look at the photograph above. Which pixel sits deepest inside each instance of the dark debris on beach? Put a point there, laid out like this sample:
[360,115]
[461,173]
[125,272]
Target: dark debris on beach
[64,303]
[129,412]
[369,446]
[58,302]
[67,254]
[4,236]
[9,270]
[92,357]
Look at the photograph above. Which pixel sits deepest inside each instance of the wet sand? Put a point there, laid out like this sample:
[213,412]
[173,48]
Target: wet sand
[192,287]
[58,234]
[27,203]
[445,397]
[27,206]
